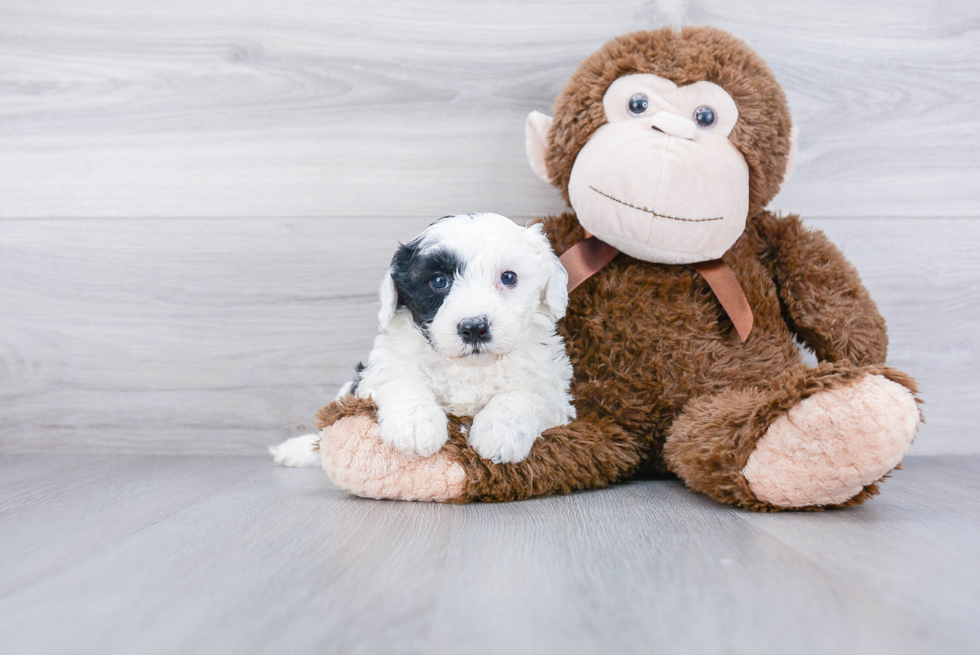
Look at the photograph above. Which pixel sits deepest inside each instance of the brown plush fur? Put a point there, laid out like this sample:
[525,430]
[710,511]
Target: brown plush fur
[662,382]
[344,407]
[652,346]
[589,454]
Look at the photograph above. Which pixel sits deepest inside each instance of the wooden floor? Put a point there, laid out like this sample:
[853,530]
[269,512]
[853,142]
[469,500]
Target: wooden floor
[128,554]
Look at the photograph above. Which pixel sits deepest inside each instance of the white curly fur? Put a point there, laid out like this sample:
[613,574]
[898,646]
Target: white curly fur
[515,386]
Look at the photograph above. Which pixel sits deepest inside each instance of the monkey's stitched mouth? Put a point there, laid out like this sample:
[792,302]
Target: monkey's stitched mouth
[650,211]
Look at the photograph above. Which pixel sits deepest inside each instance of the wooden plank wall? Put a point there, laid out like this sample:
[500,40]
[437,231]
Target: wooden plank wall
[197,199]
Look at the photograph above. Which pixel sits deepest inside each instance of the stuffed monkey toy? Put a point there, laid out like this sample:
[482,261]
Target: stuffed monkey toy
[689,297]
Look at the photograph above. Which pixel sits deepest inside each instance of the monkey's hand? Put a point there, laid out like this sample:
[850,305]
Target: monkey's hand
[358,461]
[588,453]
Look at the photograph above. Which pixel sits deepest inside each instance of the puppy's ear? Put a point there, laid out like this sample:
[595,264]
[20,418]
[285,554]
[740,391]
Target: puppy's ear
[555,295]
[389,301]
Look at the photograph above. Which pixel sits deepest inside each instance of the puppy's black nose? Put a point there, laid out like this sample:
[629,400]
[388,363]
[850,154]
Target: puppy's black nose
[474,330]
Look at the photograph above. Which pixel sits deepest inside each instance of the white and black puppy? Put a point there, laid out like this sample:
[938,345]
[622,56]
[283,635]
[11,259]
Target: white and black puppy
[468,315]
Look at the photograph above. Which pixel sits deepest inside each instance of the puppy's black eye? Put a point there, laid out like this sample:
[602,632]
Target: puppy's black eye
[508,278]
[638,104]
[704,116]
[439,282]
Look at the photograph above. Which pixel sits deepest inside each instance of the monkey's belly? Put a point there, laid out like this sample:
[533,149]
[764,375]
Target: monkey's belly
[641,353]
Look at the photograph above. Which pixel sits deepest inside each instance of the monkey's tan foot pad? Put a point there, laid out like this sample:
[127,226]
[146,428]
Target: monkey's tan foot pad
[358,462]
[827,448]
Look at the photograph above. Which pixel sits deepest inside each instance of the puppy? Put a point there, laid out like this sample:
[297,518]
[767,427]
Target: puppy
[468,315]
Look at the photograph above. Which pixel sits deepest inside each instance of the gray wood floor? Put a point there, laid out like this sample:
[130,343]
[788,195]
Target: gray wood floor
[126,554]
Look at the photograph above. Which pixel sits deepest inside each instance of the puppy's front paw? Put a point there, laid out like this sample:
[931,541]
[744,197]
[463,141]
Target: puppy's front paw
[501,435]
[414,429]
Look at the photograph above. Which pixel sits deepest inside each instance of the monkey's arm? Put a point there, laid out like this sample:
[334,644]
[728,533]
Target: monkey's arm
[589,453]
[822,296]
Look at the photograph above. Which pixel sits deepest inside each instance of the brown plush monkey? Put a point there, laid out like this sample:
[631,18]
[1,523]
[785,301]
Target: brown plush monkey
[668,145]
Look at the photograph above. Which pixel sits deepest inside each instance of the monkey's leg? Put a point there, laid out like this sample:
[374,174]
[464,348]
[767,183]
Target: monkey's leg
[815,438]
[587,454]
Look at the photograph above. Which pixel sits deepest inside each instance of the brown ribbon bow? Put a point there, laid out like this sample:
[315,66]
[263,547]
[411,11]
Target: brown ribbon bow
[588,257]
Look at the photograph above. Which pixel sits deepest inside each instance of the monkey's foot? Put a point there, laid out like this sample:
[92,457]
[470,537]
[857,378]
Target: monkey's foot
[828,447]
[358,462]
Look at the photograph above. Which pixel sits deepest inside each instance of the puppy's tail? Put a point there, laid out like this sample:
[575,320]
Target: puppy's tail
[301,452]
[297,452]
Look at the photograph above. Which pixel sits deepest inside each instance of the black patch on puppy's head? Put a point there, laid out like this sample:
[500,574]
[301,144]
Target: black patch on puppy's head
[413,274]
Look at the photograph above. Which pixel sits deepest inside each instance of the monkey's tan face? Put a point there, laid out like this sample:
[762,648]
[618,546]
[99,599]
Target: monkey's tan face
[661,181]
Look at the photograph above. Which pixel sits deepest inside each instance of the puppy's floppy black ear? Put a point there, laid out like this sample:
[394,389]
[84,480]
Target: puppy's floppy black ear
[389,301]
[401,263]
[555,296]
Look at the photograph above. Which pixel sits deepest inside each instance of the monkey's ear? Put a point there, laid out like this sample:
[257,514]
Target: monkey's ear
[794,144]
[536,142]
[389,301]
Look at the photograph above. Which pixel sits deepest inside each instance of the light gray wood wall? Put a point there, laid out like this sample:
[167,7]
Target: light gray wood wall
[197,199]
[112,108]
[222,335]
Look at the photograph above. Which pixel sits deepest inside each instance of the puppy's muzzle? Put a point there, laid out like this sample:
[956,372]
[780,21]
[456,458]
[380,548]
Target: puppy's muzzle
[474,330]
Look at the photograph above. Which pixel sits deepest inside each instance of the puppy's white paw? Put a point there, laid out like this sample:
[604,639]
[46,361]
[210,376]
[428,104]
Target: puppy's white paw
[501,435]
[296,452]
[415,429]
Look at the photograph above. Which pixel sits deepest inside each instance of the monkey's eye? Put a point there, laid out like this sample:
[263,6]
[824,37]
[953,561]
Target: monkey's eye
[704,116]
[638,104]
[508,278]
[439,282]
